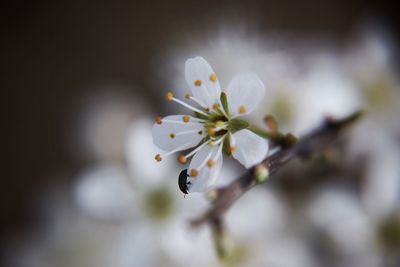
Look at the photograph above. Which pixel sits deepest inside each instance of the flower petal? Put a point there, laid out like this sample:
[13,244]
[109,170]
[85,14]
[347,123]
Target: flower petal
[206,174]
[244,93]
[250,148]
[202,81]
[174,133]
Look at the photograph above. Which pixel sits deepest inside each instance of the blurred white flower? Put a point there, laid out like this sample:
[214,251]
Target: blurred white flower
[253,223]
[375,137]
[105,115]
[131,222]
[261,215]
[381,191]
[325,90]
[340,215]
[214,124]
[288,251]
[105,192]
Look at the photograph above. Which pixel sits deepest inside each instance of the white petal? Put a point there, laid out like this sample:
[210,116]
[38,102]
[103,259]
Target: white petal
[245,90]
[186,134]
[250,148]
[198,69]
[139,154]
[207,175]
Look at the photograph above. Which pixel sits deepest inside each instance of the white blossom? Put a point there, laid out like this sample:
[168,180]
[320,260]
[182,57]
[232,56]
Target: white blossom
[215,125]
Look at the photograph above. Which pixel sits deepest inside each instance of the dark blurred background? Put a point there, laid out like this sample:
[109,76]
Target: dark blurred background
[56,53]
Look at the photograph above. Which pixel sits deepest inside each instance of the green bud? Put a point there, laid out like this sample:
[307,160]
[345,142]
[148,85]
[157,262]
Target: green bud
[261,173]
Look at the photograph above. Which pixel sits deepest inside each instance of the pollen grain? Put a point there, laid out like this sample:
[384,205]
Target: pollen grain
[210,163]
[197,82]
[242,109]
[158,157]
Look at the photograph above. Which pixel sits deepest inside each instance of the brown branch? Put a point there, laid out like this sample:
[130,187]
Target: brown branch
[314,142]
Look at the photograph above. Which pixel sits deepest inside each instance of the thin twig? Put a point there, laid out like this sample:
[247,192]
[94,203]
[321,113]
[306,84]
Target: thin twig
[315,141]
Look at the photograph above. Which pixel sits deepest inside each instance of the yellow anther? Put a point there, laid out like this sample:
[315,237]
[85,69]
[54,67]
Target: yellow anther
[186,118]
[158,157]
[197,82]
[182,159]
[172,135]
[216,106]
[194,173]
[158,120]
[213,77]
[232,149]
[210,163]
[187,96]
[169,96]
[242,109]
[211,131]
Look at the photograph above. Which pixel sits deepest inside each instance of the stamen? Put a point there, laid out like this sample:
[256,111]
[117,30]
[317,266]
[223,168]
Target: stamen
[219,125]
[219,153]
[159,157]
[192,121]
[186,105]
[242,109]
[158,120]
[213,77]
[196,149]
[194,173]
[211,131]
[218,141]
[216,106]
[210,163]
[197,82]
[205,161]
[198,101]
[185,132]
[169,96]
[182,159]
[186,118]
[232,149]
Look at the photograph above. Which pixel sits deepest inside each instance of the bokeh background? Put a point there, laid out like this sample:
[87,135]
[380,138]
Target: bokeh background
[82,82]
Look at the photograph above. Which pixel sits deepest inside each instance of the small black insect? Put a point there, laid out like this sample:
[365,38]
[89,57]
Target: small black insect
[183,182]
